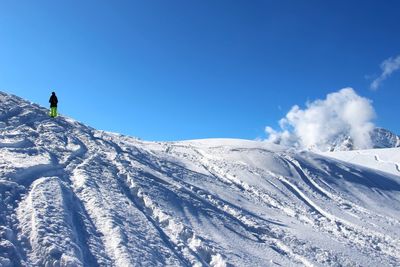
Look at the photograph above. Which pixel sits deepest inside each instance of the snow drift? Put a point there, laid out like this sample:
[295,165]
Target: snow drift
[71,195]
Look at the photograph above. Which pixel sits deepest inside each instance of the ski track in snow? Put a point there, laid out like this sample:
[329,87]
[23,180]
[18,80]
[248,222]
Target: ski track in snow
[389,162]
[74,196]
[340,223]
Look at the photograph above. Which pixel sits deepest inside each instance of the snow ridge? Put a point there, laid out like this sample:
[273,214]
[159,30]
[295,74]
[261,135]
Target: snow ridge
[71,195]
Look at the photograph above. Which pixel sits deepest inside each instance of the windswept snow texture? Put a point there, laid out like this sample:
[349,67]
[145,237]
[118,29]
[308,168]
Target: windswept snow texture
[74,196]
[385,160]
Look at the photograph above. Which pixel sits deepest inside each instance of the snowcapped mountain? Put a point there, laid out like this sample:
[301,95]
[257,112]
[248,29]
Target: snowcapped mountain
[71,195]
[380,138]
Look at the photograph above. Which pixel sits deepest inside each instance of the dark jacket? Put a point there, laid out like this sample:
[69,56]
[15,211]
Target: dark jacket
[53,101]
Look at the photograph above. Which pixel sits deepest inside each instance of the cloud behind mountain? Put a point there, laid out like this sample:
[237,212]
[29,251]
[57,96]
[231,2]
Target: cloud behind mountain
[342,113]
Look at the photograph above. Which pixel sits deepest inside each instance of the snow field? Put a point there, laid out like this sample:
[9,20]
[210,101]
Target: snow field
[74,196]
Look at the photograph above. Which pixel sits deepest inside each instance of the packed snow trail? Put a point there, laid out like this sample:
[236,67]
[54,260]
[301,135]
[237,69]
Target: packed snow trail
[74,196]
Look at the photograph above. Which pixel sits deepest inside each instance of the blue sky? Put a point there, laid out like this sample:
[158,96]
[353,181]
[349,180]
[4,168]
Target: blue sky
[173,70]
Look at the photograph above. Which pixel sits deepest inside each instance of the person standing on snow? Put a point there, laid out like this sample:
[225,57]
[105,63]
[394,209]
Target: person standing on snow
[53,105]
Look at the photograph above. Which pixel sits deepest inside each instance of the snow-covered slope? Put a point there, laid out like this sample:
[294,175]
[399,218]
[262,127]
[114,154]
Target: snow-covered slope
[74,196]
[385,160]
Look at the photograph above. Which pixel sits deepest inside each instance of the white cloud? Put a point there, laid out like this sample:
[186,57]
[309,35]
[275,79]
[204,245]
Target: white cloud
[322,121]
[388,66]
